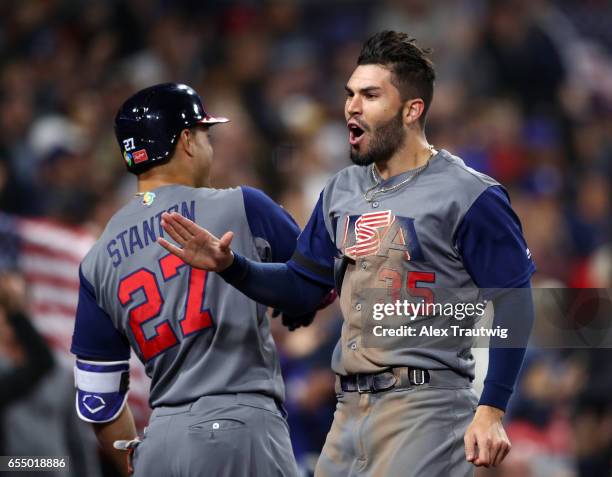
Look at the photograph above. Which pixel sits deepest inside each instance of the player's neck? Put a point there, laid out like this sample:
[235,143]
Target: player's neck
[150,183]
[415,153]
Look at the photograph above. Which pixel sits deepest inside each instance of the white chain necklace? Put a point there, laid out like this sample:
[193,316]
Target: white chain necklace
[374,193]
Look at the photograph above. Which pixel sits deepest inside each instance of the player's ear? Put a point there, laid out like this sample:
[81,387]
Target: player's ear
[413,109]
[186,141]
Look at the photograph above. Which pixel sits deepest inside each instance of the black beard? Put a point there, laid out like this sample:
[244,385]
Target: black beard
[385,142]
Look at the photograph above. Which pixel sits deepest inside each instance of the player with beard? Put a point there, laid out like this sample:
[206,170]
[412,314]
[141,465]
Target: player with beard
[406,217]
[386,140]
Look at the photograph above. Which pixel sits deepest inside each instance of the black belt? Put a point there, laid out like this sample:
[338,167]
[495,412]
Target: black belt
[395,378]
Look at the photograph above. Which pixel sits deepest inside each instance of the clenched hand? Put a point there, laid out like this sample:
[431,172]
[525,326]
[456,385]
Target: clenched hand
[486,442]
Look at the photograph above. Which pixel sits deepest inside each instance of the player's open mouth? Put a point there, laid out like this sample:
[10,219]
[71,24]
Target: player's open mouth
[355,134]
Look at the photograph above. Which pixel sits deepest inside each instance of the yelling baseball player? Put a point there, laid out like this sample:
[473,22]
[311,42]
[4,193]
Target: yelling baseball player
[405,217]
[216,387]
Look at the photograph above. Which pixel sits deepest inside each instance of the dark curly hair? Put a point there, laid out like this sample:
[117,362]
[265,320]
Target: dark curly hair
[413,71]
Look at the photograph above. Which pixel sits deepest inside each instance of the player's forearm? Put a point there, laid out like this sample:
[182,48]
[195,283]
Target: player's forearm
[122,428]
[275,285]
[514,311]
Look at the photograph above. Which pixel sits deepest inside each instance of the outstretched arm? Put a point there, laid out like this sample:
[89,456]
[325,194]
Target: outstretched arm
[198,247]
[273,284]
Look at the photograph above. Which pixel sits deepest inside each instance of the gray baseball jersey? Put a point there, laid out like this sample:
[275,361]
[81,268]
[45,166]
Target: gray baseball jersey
[196,335]
[448,227]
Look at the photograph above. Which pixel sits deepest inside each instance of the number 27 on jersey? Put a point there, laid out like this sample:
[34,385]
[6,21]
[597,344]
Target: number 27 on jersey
[194,318]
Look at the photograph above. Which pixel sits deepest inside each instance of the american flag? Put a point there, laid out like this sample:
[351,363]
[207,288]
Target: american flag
[49,254]
[367,237]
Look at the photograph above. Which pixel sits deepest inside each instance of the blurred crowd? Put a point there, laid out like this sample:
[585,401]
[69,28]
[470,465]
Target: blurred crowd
[523,93]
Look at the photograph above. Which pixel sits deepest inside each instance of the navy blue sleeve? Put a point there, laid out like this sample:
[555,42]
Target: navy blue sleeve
[490,241]
[315,252]
[94,333]
[513,311]
[275,285]
[269,221]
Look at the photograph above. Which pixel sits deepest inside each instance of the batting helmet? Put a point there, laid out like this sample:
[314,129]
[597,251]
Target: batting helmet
[149,123]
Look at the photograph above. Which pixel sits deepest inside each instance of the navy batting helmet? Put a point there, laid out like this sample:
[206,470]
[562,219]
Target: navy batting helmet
[149,123]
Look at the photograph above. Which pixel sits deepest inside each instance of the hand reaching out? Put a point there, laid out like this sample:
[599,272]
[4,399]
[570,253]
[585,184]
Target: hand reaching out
[198,247]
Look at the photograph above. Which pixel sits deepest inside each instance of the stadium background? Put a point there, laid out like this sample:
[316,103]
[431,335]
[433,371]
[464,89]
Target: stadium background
[524,93]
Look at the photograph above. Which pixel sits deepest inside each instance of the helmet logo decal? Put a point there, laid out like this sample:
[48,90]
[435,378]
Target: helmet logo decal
[128,144]
[140,156]
[128,158]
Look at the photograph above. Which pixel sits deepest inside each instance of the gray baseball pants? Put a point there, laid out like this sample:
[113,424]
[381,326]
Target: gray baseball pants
[414,432]
[229,435]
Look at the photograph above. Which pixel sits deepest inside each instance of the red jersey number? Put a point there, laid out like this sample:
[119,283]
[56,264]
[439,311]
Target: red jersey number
[194,318]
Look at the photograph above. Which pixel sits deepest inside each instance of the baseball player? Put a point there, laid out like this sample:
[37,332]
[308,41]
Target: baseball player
[405,217]
[216,387]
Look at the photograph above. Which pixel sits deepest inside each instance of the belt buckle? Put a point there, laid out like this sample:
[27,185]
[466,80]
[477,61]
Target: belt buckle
[385,386]
[416,381]
[366,388]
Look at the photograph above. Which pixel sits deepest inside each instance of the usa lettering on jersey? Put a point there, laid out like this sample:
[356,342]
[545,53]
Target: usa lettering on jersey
[366,231]
[376,233]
